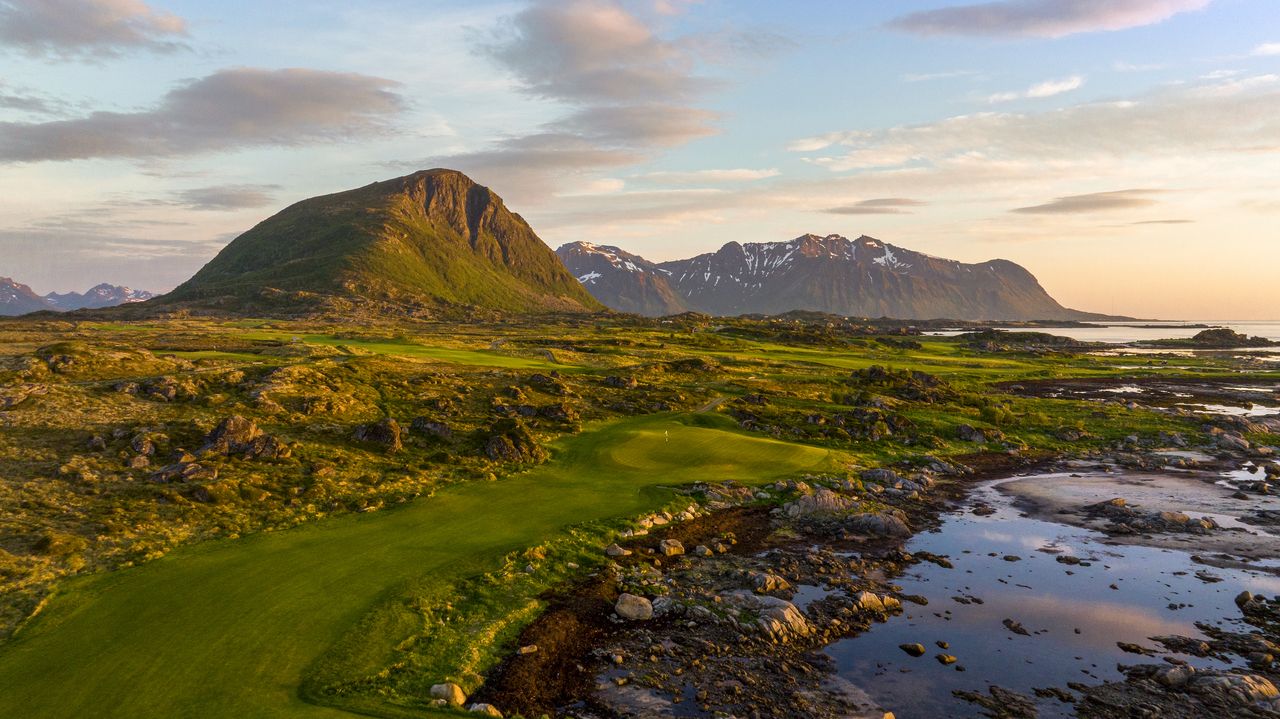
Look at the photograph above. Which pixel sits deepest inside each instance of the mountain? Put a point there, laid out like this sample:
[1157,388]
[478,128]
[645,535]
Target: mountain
[621,280]
[19,299]
[103,295]
[861,278]
[428,239]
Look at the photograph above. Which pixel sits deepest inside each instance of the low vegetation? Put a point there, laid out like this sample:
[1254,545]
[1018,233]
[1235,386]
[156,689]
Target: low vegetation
[185,448]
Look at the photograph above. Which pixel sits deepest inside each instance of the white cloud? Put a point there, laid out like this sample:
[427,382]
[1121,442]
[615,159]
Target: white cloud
[1043,18]
[1267,49]
[1049,88]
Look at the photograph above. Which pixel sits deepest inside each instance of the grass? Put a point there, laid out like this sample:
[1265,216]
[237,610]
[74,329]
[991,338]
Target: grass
[229,628]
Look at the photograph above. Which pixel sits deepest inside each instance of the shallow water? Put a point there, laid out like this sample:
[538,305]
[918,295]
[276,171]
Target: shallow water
[1075,614]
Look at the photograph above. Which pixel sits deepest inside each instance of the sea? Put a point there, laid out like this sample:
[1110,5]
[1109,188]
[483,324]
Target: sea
[1124,332]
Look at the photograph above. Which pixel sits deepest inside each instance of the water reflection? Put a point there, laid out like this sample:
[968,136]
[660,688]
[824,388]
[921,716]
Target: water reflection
[1074,613]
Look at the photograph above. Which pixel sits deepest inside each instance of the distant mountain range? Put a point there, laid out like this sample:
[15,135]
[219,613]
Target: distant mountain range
[19,299]
[427,240]
[859,278]
[436,240]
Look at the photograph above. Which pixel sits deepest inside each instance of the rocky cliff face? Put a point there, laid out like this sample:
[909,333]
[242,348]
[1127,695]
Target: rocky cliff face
[430,238]
[863,278]
[621,280]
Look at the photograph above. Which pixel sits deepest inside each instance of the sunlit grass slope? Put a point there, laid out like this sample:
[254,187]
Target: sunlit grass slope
[228,628]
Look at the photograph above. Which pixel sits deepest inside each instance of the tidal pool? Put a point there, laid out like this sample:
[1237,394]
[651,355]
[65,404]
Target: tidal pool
[1074,613]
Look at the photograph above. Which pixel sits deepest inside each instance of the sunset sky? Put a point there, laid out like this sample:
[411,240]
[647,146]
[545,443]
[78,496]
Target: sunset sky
[1127,152]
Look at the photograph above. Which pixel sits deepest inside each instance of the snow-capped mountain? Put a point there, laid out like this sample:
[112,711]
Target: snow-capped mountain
[19,299]
[860,278]
[621,280]
[103,295]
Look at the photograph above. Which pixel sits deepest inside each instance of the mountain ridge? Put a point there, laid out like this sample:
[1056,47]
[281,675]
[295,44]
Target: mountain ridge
[19,299]
[864,277]
[432,238]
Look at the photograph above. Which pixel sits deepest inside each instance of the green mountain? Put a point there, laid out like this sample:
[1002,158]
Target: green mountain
[433,238]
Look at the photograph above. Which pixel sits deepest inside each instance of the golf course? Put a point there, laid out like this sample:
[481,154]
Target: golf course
[229,628]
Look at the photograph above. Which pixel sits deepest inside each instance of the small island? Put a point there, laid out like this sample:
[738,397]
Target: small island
[1220,338]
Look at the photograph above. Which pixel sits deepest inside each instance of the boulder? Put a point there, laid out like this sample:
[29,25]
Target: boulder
[613,550]
[880,475]
[823,502]
[488,710]
[1233,688]
[869,602]
[633,608]
[879,525]
[231,435]
[450,692]
[266,446]
[510,441]
[670,548]
[765,582]
[385,432]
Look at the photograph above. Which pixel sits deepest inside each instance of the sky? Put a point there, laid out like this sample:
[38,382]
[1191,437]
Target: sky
[1127,152]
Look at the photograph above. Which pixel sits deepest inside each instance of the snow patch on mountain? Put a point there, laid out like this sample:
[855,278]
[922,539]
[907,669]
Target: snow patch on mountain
[890,261]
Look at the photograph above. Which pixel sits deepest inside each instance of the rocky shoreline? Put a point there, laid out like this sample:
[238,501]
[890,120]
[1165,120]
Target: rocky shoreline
[728,613]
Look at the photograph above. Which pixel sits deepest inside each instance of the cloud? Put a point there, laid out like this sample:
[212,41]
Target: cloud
[594,50]
[1164,222]
[1049,88]
[1042,18]
[1093,202]
[881,206]
[26,100]
[227,197]
[230,109]
[68,29]
[628,94]
[1235,116]
[714,176]
[1267,49]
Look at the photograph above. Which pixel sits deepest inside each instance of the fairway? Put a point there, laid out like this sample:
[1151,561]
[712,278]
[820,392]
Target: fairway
[226,629]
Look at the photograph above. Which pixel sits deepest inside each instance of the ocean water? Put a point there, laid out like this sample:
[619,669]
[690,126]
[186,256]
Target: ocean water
[1136,331]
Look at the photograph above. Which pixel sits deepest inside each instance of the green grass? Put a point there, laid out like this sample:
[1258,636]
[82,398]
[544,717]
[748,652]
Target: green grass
[229,628]
[254,331]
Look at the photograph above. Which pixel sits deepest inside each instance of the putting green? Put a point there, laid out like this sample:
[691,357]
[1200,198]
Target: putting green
[227,628]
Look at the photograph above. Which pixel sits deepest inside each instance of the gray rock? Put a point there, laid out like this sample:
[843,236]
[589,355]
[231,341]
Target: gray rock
[881,525]
[823,502]
[633,608]
[450,692]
